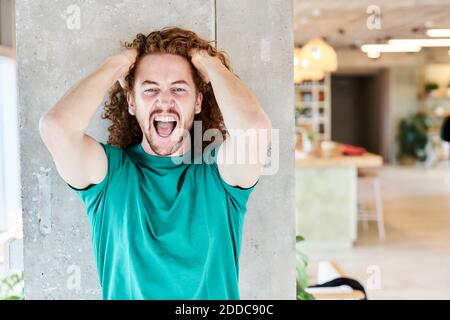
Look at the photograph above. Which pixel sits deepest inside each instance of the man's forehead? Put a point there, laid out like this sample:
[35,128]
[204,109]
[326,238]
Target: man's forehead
[157,64]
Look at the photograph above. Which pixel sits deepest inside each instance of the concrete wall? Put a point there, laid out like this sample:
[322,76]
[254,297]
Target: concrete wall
[7,38]
[60,42]
[258,36]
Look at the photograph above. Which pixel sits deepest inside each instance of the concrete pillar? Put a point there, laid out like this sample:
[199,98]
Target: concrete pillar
[258,36]
[59,43]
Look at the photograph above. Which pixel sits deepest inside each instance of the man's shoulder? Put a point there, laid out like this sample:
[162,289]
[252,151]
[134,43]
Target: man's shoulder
[117,156]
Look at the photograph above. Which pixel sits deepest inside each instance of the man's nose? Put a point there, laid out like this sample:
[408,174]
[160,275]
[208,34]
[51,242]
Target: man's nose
[165,99]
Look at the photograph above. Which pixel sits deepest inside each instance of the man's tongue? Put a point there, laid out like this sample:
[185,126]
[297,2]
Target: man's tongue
[164,129]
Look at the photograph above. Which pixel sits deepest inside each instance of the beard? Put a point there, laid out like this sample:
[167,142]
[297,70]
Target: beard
[164,142]
[167,131]
[164,148]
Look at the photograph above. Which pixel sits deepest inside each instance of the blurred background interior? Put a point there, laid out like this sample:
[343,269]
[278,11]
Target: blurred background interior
[372,83]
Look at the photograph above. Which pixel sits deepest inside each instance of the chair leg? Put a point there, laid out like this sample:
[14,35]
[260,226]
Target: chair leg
[365,223]
[379,208]
[362,212]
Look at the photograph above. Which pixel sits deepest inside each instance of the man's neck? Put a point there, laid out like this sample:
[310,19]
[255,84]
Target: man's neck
[183,149]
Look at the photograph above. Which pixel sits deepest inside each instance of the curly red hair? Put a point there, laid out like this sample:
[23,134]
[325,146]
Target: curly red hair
[124,130]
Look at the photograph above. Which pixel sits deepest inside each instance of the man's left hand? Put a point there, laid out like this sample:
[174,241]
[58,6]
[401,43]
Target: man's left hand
[202,60]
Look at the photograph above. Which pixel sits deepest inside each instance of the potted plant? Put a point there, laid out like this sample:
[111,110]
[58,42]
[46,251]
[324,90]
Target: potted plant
[302,276]
[11,287]
[412,138]
[431,88]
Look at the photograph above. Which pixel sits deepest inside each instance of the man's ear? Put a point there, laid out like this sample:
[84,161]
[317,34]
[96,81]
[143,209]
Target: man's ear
[131,103]
[198,103]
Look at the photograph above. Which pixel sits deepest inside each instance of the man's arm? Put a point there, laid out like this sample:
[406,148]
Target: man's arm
[80,159]
[248,125]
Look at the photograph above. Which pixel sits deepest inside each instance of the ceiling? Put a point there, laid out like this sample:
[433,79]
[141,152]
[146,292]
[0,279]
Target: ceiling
[343,23]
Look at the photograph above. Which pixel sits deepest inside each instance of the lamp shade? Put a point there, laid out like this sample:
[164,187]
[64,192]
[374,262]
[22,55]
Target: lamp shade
[320,55]
[303,69]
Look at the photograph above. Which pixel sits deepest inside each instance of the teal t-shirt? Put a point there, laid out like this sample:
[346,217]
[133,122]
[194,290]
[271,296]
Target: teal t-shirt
[165,230]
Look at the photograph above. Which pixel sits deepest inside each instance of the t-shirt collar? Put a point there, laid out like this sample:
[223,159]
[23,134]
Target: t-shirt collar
[160,161]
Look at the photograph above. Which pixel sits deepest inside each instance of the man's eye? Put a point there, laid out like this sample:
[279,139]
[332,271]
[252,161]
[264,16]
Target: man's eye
[179,89]
[151,90]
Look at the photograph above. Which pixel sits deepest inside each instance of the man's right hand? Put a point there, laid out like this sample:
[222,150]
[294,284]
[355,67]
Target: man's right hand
[79,158]
[128,57]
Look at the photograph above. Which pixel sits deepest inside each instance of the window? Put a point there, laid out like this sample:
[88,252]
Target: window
[10,208]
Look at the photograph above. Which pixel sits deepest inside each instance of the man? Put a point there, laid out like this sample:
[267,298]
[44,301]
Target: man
[445,130]
[162,228]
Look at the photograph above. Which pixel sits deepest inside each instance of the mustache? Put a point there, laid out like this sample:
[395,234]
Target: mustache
[171,110]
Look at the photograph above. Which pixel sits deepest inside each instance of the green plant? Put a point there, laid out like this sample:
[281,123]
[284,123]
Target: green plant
[431,86]
[302,276]
[11,287]
[412,136]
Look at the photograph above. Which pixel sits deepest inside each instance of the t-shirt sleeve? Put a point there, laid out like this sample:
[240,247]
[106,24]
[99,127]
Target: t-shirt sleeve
[93,195]
[238,196]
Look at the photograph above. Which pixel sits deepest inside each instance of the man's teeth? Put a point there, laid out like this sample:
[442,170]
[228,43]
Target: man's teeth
[165,118]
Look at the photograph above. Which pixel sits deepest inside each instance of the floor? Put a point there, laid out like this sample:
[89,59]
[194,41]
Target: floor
[414,260]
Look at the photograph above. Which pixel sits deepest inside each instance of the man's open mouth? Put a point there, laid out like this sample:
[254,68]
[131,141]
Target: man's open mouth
[164,125]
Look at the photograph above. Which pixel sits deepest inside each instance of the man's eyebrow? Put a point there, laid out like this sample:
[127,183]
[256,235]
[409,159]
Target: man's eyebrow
[156,83]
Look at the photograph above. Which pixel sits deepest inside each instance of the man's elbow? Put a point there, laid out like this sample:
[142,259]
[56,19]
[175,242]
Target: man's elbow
[47,125]
[48,121]
[52,128]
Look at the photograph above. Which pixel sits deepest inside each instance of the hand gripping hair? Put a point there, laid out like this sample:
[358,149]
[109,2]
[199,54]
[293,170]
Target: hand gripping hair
[124,130]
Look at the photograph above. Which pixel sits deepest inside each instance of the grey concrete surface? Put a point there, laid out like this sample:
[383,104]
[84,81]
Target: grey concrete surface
[258,37]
